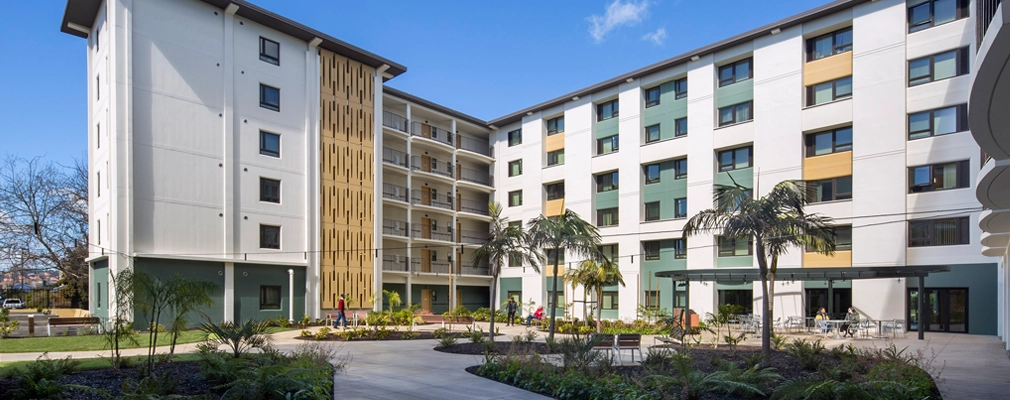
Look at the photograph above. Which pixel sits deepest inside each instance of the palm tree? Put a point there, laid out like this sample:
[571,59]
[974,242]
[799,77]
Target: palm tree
[567,231]
[504,242]
[593,276]
[775,222]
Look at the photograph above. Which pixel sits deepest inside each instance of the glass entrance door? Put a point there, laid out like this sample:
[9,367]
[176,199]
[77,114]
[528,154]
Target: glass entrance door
[946,310]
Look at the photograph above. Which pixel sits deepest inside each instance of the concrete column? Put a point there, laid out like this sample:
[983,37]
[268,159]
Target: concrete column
[229,292]
[377,184]
[229,162]
[291,295]
[313,299]
[921,323]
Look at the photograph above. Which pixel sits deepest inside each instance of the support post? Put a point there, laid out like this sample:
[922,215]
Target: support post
[291,296]
[831,297]
[921,314]
[687,309]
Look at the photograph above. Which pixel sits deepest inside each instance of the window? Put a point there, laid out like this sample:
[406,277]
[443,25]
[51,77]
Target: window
[550,298]
[515,168]
[652,299]
[98,231]
[679,249]
[98,88]
[680,88]
[680,127]
[736,72]
[270,51]
[555,191]
[607,110]
[98,294]
[843,239]
[652,133]
[607,145]
[514,294]
[270,97]
[610,300]
[515,137]
[515,261]
[836,42]
[680,169]
[270,144]
[549,255]
[652,97]
[98,184]
[928,178]
[270,297]
[833,141]
[609,251]
[652,250]
[736,113]
[607,217]
[680,208]
[98,31]
[270,190]
[830,189]
[940,121]
[556,157]
[652,211]
[923,14]
[733,247]
[98,136]
[516,198]
[555,126]
[938,232]
[270,237]
[730,160]
[607,182]
[938,66]
[651,173]
[829,91]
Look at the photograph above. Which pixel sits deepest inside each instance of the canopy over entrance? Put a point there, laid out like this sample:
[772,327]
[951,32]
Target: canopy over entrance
[747,275]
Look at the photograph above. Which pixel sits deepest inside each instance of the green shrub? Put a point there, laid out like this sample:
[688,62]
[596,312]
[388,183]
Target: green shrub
[40,379]
[808,354]
[6,325]
[305,333]
[377,319]
[410,335]
[323,333]
[447,341]
[239,337]
[150,386]
[381,333]
[440,333]
[475,335]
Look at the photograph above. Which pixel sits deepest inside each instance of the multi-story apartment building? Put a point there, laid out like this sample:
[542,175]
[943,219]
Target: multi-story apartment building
[279,201]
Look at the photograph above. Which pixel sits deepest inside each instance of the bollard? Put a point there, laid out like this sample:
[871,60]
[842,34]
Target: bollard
[31,325]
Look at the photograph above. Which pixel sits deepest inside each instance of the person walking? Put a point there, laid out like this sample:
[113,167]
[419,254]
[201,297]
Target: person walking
[340,313]
[511,309]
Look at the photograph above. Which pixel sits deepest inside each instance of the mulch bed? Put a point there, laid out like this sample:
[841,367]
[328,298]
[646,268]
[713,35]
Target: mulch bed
[392,336]
[187,376]
[500,347]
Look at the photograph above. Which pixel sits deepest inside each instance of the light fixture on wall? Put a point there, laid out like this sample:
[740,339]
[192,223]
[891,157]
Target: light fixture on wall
[695,58]
[575,98]
[776,31]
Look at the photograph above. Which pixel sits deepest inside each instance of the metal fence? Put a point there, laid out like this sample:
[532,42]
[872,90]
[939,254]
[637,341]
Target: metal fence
[41,298]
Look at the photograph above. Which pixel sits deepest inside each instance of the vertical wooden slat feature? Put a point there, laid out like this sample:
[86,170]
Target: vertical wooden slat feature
[346,173]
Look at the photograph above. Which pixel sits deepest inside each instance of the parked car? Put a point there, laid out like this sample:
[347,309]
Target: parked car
[13,304]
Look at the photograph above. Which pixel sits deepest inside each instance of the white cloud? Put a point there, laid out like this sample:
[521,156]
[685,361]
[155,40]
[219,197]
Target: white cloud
[656,37]
[618,14]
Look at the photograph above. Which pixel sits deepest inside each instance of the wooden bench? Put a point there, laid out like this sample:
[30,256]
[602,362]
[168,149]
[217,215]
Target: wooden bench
[629,341]
[352,316]
[604,342]
[73,321]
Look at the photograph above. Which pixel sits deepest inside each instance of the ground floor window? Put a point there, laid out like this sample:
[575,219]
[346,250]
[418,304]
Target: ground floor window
[550,299]
[610,300]
[946,310]
[514,294]
[742,298]
[840,302]
[652,299]
[270,297]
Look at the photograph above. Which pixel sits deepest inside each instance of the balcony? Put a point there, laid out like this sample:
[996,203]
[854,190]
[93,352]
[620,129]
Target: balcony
[473,207]
[473,145]
[427,233]
[395,157]
[473,176]
[417,198]
[429,267]
[481,270]
[425,164]
[430,132]
[395,263]
[394,192]
[394,121]
[394,227]
[473,237]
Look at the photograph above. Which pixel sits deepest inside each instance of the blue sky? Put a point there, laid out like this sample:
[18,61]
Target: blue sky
[484,58]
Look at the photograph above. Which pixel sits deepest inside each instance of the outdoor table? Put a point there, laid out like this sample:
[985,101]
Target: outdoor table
[880,330]
[809,322]
[837,325]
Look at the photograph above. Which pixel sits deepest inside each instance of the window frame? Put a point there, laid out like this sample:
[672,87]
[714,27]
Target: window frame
[962,176]
[960,116]
[734,79]
[813,185]
[732,165]
[266,291]
[676,207]
[961,66]
[264,103]
[962,232]
[615,184]
[659,173]
[835,96]
[515,137]
[736,113]
[511,167]
[651,299]
[835,47]
[266,184]
[810,140]
[649,92]
[678,93]
[677,131]
[275,60]
[652,250]
[613,105]
[732,244]
[679,249]
[614,145]
[655,207]
[559,126]
[264,237]
[614,298]
[553,194]
[961,12]
[511,198]
[678,172]
[559,157]
[264,148]
[658,131]
[615,211]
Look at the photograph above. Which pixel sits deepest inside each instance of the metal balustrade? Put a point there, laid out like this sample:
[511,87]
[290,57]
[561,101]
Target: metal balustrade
[395,157]
[474,206]
[395,263]
[474,237]
[474,145]
[415,198]
[436,167]
[394,192]
[474,176]
[394,227]
[434,267]
[416,233]
[395,121]
[430,132]
[481,270]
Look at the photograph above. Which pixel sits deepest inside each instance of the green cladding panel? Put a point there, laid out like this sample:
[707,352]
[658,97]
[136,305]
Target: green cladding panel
[400,289]
[980,279]
[507,285]
[548,286]
[606,128]
[205,271]
[667,262]
[607,199]
[99,303]
[744,177]
[734,94]
[248,280]
[666,112]
[665,191]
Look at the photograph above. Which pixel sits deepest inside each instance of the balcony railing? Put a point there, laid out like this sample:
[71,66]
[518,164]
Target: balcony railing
[395,263]
[474,237]
[985,10]
[394,192]
[394,227]
[472,175]
[474,145]
[394,121]
[468,269]
[417,233]
[395,157]
[431,132]
[473,206]
[435,167]
[416,198]
[434,267]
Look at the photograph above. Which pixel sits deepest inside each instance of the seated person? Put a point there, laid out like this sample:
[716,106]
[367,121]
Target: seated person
[821,320]
[538,315]
[851,317]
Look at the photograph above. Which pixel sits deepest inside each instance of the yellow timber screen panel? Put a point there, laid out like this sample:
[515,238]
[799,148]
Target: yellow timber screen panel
[347,173]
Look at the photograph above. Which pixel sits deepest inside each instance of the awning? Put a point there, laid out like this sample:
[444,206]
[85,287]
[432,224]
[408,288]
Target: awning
[746,275]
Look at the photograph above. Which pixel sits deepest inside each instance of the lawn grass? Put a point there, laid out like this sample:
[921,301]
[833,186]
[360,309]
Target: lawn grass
[96,342]
[8,369]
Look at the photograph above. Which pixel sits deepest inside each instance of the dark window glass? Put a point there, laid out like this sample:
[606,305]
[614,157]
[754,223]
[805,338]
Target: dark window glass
[607,145]
[515,168]
[652,133]
[833,141]
[652,97]
[610,300]
[270,297]
[938,66]
[270,190]
[830,189]
[829,91]
[652,250]
[679,248]
[270,237]
[607,182]
[652,299]
[938,232]
[930,13]
[607,110]
[680,88]
[270,97]
[515,137]
[556,157]
[680,208]
[733,247]
[555,191]
[928,178]
[270,144]
[736,72]
[607,217]
[652,211]
[555,126]
[940,121]
[651,174]
[735,159]
[736,113]
[680,168]
[836,42]
[516,198]
[270,51]
[680,127]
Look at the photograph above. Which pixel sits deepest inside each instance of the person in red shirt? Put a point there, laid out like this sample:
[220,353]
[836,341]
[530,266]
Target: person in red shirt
[340,313]
[538,315]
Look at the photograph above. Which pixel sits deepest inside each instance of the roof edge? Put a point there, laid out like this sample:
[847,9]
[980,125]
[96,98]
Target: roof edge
[434,106]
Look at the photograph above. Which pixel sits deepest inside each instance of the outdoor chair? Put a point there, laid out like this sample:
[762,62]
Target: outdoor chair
[604,342]
[794,324]
[629,341]
[898,325]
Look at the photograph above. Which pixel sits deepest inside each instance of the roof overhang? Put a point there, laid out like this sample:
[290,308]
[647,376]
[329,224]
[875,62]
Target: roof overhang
[746,275]
[990,85]
[434,106]
[82,14]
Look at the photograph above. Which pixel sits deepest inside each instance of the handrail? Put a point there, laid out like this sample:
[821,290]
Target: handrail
[394,121]
[474,145]
[475,176]
[394,157]
[474,206]
[431,132]
[395,192]
[395,263]
[394,227]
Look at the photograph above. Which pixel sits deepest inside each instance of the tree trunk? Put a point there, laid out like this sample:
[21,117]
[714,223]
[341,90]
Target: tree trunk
[599,310]
[766,328]
[494,302]
[554,294]
[771,285]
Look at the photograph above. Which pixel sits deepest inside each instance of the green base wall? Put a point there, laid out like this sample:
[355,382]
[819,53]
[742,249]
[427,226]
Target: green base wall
[163,269]
[980,279]
[249,277]
[99,290]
